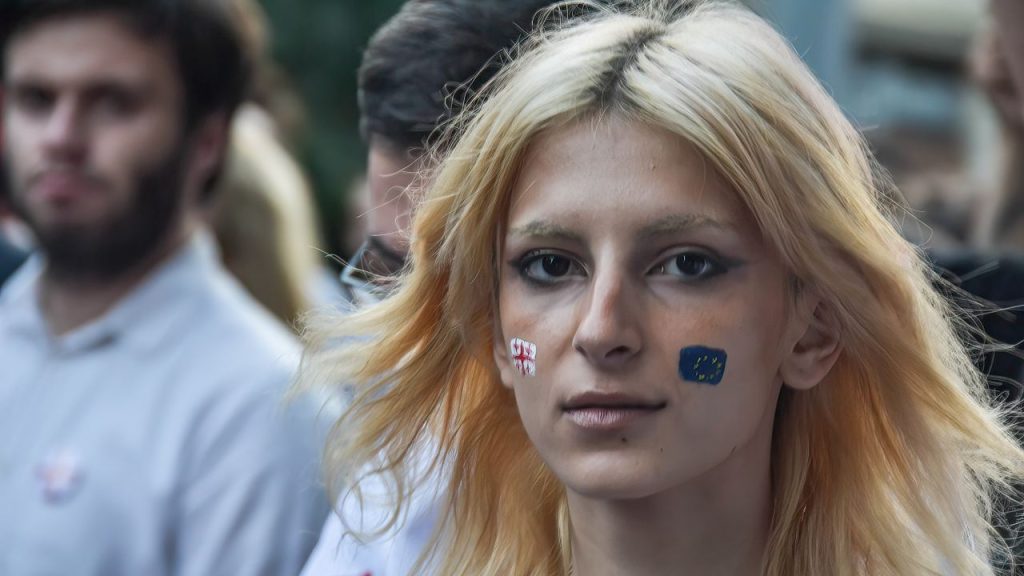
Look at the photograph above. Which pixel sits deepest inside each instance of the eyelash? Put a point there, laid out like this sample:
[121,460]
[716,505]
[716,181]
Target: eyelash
[713,266]
[524,262]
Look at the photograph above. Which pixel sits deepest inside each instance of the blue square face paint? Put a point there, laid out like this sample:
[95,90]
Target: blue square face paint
[702,365]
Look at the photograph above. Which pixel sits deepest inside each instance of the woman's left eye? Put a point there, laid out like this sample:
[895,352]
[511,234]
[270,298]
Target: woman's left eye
[690,266]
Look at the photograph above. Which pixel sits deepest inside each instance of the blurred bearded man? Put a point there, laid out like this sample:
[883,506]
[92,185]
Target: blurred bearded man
[141,428]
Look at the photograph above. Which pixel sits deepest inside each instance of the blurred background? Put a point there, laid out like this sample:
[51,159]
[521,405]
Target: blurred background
[318,45]
[900,68]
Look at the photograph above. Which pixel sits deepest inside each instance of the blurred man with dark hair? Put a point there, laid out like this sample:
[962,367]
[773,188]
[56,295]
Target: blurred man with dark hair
[140,425]
[425,61]
[429,57]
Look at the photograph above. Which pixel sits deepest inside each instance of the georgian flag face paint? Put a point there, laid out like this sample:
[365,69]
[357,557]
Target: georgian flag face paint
[524,356]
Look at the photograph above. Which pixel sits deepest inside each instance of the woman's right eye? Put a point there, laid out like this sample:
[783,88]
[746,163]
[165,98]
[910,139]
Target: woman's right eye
[549,267]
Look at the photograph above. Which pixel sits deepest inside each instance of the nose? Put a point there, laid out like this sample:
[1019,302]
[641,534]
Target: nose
[64,132]
[609,334]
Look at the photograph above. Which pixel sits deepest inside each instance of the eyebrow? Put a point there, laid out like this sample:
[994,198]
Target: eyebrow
[674,223]
[671,224]
[546,229]
[34,80]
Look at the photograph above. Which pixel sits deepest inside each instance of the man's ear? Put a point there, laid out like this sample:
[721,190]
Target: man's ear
[209,150]
[815,346]
[501,358]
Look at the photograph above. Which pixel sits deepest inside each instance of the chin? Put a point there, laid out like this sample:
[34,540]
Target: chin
[612,478]
[614,488]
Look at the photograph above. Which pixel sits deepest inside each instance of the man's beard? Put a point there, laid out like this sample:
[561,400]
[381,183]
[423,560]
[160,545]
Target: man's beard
[105,250]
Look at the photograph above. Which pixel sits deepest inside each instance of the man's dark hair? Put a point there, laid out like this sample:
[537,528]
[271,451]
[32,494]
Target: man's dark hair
[425,51]
[203,35]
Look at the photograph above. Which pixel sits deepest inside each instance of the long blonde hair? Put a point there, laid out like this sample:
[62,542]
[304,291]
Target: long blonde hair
[886,468]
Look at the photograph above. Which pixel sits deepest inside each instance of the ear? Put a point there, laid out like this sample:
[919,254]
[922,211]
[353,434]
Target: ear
[815,345]
[210,141]
[501,358]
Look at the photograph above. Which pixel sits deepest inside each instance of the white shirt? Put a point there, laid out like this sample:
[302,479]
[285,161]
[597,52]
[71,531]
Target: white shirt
[393,554]
[154,441]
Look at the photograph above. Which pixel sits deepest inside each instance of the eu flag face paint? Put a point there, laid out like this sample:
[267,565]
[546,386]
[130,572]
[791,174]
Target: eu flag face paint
[702,365]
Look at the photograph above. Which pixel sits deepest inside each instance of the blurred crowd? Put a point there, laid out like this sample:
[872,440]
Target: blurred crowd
[160,244]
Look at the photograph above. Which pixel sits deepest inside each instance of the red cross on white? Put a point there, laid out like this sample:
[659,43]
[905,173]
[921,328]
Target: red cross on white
[59,476]
[524,356]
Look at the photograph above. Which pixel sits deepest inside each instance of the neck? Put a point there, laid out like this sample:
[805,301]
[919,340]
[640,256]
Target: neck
[70,302]
[714,525]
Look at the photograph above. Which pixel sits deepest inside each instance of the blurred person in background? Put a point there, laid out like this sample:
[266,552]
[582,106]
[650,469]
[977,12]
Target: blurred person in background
[141,428]
[999,68]
[263,218]
[425,61]
[989,263]
[264,221]
[958,220]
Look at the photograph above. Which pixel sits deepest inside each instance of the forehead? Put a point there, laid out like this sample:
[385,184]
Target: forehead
[87,48]
[615,169]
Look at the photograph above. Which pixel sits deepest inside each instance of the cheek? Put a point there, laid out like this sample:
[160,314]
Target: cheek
[726,414]
[747,339]
[120,156]
[543,320]
[125,157]
[731,332]
[535,340]
[19,150]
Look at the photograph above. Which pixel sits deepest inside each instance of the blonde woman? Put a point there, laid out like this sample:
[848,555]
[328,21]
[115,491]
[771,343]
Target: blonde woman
[658,321]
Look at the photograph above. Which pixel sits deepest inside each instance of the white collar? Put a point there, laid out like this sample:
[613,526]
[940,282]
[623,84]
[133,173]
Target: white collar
[142,317]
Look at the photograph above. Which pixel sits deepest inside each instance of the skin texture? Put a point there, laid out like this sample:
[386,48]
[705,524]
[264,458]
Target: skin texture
[100,164]
[687,482]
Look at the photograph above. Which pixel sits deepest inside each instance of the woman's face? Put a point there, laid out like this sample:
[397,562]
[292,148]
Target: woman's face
[636,273]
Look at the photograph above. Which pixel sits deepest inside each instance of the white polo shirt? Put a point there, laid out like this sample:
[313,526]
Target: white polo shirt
[154,441]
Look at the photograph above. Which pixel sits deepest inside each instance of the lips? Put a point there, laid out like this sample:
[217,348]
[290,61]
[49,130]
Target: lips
[63,185]
[608,411]
[611,400]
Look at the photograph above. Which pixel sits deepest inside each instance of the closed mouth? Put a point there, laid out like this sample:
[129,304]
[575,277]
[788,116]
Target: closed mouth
[610,401]
[604,417]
